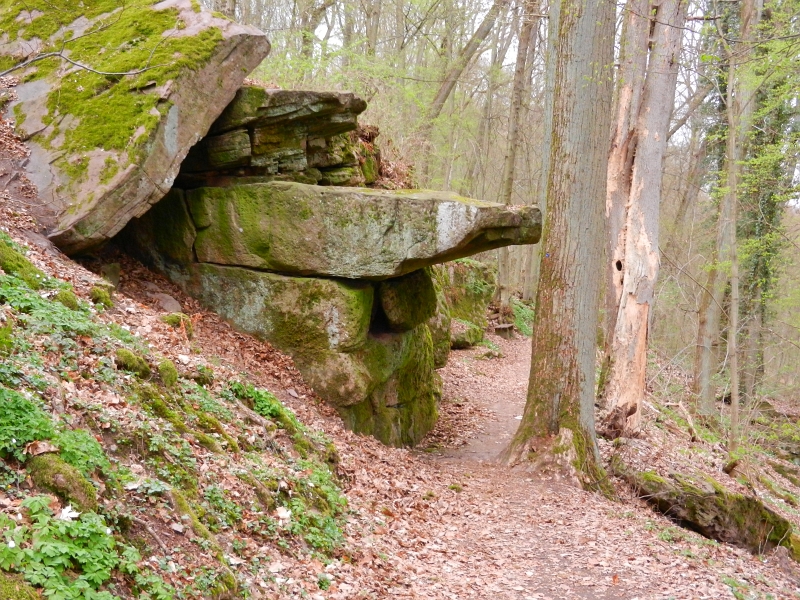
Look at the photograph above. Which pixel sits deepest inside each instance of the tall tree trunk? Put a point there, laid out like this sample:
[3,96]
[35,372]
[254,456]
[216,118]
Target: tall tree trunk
[740,107]
[635,265]
[557,428]
[504,276]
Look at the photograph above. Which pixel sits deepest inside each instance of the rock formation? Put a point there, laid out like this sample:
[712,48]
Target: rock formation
[107,143]
[340,278]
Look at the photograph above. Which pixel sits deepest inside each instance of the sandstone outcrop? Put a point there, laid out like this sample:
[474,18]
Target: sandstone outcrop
[107,143]
[348,232]
[340,278]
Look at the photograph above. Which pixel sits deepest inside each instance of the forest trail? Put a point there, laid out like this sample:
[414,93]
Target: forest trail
[512,536]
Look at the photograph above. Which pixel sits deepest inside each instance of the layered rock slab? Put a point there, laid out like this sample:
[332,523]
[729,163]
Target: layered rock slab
[363,346]
[106,146]
[347,232]
[267,134]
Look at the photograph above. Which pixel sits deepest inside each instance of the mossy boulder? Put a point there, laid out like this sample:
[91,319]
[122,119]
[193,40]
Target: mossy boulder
[12,587]
[347,232]
[50,472]
[464,334]
[168,373]
[101,295]
[469,286]
[301,315]
[700,502]
[439,323]
[13,262]
[409,300]
[68,299]
[130,361]
[105,148]
[404,392]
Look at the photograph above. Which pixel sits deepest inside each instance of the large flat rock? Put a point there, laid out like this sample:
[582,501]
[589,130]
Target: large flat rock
[107,146]
[348,232]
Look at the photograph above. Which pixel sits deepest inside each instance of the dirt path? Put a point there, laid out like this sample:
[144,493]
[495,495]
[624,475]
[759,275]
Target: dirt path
[507,535]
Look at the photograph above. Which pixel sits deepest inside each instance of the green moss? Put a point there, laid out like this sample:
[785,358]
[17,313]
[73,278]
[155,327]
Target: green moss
[68,299]
[179,321]
[6,339]
[652,476]
[130,361]
[109,109]
[52,473]
[13,262]
[168,373]
[183,508]
[211,424]
[101,295]
[110,168]
[13,587]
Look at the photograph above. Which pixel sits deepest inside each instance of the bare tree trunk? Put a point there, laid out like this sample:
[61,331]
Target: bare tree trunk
[373,18]
[740,100]
[635,266]
[557,428]
[504,275]
[632,68]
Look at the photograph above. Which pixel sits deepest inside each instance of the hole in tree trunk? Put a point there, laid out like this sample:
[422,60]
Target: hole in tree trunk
[619,265]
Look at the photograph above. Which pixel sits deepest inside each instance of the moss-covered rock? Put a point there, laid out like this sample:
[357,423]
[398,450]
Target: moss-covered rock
[168,373]
[405,390]
[703,504]
[439,323]
[409,300]
[469,287]
[68,299]
[301,315]
[344,232]
[101,295]
[130,361]
[13,262]
[50,472]
[464,334]
[12,587]
[110,146]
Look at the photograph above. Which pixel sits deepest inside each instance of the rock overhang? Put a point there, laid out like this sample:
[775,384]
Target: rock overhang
[105,147]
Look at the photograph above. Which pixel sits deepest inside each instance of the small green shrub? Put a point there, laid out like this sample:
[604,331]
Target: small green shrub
[68,299]
[70,559]
[179,320]
[101,296]
[267,405]
[523,316]
[130,361]
[21,422]
[80,449]
[168,372]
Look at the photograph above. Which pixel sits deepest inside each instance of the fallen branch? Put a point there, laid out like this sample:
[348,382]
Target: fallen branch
[152,532]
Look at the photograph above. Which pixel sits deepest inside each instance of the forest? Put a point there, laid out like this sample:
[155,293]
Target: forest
[422,299]
[699,228]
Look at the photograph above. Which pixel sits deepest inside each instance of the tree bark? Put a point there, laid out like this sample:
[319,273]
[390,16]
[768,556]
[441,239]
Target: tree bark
[635,258]
[557,428]
[504,276]
[740,107]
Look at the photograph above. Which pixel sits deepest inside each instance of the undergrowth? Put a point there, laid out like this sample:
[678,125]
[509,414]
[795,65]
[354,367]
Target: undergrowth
[185,429]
